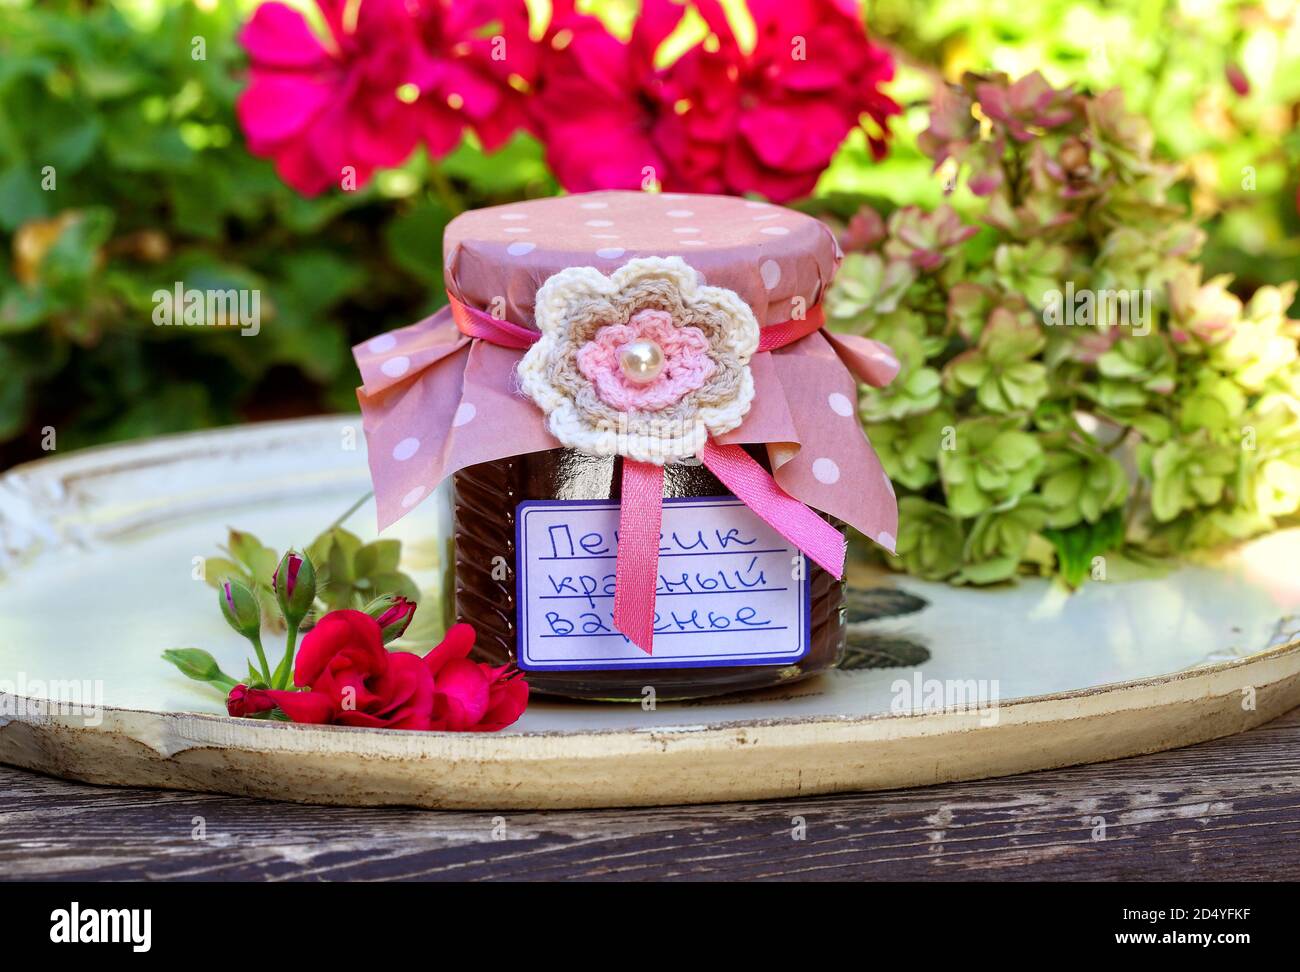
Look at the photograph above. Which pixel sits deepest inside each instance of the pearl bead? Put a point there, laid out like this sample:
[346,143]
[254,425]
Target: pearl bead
[641,361]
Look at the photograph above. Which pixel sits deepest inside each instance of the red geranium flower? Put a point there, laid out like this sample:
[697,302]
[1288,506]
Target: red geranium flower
[599,103]
[387,75]
[480,64]
[471,696]
[720,118]
[353,680]
[769,120]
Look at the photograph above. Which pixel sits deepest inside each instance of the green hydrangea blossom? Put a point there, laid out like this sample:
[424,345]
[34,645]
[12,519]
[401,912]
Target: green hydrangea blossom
[930,539]
[991,463]
[1132,372]
[1271,452]
[1161,414]
[1032,269]
[1146,257]
[909,448]
[1189,473]
[865,287]
[1001,370]
[925,240]
[916,388]
[1080,483]
[1263,343]
[1000,539]
[1214,403]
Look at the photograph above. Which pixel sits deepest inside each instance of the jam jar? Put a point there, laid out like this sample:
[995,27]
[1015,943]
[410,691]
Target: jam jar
[696,314]
[485,498]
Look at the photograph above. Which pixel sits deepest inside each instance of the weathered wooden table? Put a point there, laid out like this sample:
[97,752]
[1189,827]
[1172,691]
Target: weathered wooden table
[1228,809]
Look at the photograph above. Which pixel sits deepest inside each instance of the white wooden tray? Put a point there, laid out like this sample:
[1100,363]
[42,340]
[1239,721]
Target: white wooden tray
[96,565]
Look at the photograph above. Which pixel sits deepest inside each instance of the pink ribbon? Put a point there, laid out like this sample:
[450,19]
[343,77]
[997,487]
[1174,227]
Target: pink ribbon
[475,323]
[787,332]
[754,486]
[640,517]
[636,564]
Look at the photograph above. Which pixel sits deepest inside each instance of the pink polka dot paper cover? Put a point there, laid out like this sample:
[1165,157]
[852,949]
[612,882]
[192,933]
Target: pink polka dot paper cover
[657,327]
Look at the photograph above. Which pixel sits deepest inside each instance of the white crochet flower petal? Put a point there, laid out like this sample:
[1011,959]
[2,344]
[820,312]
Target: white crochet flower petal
[674,268]
[562,290]
[723,418]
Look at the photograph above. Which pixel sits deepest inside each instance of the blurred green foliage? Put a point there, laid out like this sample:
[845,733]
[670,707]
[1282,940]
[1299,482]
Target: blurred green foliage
[123,171]
[1174,60]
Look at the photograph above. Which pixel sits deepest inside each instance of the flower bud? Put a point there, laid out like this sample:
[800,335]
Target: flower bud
[294,583]
[240,608]
[1237,79]
[394,613]
[245,701]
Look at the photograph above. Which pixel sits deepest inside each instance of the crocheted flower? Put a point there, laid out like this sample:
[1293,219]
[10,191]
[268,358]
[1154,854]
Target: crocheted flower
[701,339]
[686,363]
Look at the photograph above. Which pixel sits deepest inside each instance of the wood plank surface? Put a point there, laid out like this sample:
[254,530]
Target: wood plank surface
[1227,810]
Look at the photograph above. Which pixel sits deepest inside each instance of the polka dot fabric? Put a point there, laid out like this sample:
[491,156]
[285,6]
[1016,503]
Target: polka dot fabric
[805,410]
[775,259]
[434,401]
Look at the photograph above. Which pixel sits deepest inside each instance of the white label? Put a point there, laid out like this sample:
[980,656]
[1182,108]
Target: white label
[731,590]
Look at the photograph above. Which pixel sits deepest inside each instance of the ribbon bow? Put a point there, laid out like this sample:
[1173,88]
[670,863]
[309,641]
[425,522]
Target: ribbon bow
[636,572]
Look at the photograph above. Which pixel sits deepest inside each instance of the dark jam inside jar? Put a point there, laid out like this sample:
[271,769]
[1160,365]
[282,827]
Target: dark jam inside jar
[486,497]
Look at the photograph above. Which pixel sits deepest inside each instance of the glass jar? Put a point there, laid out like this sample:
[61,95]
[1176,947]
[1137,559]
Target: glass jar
[486,497]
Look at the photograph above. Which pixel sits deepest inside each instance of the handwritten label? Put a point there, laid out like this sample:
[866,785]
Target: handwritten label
[731,590]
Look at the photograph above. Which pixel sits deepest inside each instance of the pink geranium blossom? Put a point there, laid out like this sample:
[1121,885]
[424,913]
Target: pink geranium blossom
[349,678]
[385,76]
[599,103]
[687,365]
[771,118]
[720,118]
[478,64]
[472,696]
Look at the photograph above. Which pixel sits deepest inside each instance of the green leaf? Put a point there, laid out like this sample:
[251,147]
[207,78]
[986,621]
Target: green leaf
[1078,546]
[254,678]
[21,196]
[394,582]
[377,557]
[134,144]
[22,309]
[415,241]
[516,166]
[74,256]
[259,560]
[218,569]
[13,398]
[988,572]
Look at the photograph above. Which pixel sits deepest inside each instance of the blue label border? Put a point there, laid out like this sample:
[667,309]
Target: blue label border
[521,601]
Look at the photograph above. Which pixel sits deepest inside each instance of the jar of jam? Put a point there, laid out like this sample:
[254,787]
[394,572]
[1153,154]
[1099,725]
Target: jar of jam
[653,442]
[485,498]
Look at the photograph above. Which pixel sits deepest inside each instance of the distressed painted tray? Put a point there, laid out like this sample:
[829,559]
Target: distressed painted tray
[96,579]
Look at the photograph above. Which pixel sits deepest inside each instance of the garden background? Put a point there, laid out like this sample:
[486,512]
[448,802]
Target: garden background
[155,183]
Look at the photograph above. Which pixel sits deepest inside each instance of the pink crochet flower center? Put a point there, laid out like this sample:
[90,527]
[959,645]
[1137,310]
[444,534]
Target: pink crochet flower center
[687,365]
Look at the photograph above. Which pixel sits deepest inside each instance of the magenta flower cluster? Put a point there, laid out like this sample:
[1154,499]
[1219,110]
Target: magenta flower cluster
[758,110]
